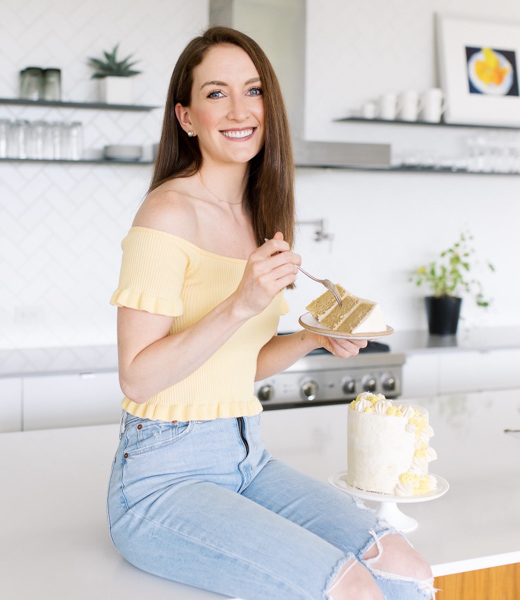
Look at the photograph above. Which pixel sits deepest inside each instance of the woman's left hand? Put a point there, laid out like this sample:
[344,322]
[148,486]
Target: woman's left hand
[341,347]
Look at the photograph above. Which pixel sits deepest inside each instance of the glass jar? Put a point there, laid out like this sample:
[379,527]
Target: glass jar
[52,84]
[31,83]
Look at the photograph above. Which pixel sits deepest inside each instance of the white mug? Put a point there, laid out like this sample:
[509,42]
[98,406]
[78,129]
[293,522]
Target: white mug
[434,105]
[370,110]
[388,106]
[409,105]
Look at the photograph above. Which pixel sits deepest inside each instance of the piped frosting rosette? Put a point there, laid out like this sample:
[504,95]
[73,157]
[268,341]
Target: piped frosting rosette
[414,481]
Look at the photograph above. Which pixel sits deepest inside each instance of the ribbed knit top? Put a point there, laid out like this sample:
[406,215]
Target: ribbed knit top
[166,275]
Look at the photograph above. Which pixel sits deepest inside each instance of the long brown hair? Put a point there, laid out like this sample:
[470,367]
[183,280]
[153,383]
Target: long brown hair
[270,188]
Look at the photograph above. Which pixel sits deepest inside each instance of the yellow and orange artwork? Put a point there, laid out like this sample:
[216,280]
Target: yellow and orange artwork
[489,70]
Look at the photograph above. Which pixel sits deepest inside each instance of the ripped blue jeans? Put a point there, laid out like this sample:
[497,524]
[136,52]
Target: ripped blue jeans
[205,504]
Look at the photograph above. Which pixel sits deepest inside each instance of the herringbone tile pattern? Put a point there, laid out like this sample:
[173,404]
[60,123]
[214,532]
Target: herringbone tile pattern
[61,225]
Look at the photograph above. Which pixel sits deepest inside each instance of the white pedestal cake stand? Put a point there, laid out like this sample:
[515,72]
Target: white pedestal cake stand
[388,509]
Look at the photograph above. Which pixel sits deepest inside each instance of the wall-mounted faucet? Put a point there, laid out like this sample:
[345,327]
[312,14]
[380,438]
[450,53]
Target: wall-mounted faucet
[320,233]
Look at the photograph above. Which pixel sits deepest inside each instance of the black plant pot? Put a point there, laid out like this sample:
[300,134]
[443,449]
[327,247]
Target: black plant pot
[443,314]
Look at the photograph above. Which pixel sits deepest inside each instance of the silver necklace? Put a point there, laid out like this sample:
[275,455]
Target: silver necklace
[215,195]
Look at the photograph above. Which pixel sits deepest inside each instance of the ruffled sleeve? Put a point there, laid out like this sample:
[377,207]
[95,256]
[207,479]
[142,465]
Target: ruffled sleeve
[152,273]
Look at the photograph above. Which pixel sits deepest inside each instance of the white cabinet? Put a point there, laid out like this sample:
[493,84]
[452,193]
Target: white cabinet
[10,404]
[71,400]
[420,375]
[433,373]
[478,371]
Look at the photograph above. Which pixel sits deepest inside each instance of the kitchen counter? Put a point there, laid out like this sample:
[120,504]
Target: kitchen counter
[97,359]
[483,340]
[55,543]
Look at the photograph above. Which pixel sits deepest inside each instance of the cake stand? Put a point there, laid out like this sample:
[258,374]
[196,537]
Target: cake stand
[388,509]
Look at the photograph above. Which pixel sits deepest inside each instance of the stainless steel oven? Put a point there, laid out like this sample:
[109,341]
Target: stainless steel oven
[322,378]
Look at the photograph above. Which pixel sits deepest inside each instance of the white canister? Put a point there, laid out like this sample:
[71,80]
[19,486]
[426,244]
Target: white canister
[433,105]
[409,105]
[370,110]
[388,106]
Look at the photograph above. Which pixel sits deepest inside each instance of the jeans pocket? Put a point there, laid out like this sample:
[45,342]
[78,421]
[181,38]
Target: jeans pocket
[146,435]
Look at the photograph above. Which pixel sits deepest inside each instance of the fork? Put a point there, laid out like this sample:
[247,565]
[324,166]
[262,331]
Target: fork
[325,282]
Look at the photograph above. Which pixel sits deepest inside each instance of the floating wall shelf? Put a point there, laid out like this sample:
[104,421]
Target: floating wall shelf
[93,161]
[88,105]
[441,170]
[421,123]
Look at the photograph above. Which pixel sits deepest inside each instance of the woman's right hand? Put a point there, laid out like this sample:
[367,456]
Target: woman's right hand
[269,269]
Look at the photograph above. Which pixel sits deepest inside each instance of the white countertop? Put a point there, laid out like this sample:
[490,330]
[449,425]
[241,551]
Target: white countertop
[55,545]
[483,339]
[27,362]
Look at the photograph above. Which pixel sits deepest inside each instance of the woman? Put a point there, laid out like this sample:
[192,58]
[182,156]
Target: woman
[194,495]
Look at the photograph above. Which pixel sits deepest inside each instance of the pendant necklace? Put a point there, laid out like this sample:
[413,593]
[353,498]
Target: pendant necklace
[215,195]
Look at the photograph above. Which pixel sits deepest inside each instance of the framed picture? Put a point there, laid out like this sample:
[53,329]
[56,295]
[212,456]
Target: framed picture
[478,68]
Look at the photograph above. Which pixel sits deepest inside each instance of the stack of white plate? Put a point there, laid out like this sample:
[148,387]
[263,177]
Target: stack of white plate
[125,153]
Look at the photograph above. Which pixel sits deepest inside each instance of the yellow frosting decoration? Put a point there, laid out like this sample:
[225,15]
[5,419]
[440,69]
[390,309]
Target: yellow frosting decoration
[420,483]
[407,478]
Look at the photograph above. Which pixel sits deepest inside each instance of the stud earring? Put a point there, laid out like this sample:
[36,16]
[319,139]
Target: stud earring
[191,133]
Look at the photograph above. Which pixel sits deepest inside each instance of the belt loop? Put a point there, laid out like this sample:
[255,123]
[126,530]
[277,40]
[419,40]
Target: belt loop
[122,423]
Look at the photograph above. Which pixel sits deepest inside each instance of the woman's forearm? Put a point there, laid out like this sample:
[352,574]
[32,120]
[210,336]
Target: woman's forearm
[282,351]
[174,357]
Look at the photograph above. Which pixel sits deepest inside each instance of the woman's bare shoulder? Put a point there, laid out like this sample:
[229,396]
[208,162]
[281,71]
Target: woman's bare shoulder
[168,209]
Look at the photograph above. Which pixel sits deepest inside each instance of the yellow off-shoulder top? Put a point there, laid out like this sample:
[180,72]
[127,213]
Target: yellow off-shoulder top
[164,274]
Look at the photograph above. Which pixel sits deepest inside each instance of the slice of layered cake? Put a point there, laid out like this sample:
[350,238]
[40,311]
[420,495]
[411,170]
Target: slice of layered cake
[357,315]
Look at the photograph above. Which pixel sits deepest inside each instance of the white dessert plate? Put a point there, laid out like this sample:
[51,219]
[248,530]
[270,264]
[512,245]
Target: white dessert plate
[338,480]
[311,324]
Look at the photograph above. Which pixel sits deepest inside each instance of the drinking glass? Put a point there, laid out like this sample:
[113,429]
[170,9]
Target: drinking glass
[47,141]
[76,140]
[17,139]
[57,140]
[4,133]
[35,139]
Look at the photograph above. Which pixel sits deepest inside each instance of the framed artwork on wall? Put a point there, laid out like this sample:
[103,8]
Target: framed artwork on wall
[478,68]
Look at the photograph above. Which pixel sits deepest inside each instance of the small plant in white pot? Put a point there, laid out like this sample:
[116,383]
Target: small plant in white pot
[115,84]
[449,278]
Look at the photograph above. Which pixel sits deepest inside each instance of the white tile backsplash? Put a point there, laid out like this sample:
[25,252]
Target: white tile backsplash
[61,226]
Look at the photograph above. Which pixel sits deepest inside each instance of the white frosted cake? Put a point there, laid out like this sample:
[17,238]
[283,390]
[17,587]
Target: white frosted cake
[356,315]
[389,446]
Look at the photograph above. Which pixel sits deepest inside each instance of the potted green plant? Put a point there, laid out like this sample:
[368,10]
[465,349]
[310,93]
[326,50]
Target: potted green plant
[115,85]
[449,278]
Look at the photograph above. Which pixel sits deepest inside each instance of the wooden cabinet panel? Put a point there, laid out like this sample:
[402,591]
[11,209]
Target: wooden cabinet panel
[71,400]
[497,583]
[10,404]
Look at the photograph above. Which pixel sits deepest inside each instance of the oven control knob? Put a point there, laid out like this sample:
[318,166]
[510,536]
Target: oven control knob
[389,383]
[349,386]
[370,384]
[309,390]
[265,393]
